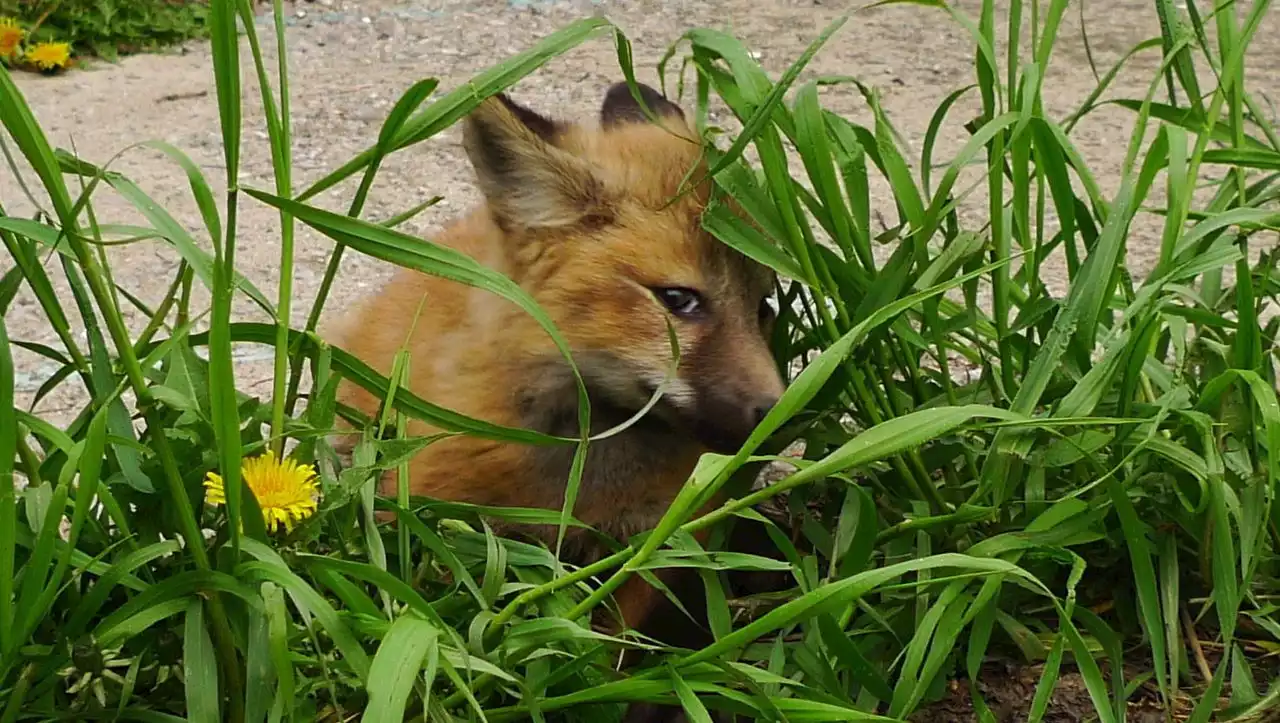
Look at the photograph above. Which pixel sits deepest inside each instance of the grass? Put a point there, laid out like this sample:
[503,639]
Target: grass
[1100,497]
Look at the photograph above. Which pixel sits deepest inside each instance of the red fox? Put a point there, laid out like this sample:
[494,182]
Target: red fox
[582,219]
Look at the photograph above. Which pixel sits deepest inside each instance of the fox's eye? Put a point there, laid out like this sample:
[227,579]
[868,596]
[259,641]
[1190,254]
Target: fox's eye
[766,311]
[681,302]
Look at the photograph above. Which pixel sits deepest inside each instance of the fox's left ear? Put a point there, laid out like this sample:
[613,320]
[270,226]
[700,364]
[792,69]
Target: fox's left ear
[528,182]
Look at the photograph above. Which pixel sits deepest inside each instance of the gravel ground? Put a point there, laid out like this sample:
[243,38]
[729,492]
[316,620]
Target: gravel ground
[350,61]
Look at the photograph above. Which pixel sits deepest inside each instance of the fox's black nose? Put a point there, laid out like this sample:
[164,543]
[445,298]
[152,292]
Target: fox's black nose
[762,410]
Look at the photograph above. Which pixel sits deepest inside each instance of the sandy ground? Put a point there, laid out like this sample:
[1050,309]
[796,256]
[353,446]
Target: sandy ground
[350,61]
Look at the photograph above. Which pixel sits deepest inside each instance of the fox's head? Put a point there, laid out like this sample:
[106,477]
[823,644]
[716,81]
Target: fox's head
[590,231]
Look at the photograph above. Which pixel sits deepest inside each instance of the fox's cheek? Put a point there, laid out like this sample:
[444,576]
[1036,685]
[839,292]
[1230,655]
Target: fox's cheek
[676,392]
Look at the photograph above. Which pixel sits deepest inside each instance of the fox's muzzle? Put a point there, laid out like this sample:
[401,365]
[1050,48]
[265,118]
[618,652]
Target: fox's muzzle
[724,423]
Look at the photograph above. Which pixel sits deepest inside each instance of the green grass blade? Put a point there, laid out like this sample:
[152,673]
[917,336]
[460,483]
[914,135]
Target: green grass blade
[278,640]
[396,667]
[17,118]
[270,568]
[1144,575]
[259,671]
[8,493]
[226,77]
[199,667]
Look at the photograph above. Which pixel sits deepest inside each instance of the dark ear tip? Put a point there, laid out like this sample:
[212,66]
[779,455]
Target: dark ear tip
[620,106]
[619,91]
[542,126]
[508,103]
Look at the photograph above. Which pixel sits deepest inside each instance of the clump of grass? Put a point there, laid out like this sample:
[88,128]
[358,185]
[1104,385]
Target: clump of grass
[1101,496]
[55,31]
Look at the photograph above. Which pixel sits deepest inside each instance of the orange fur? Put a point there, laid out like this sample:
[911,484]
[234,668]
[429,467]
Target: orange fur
[580,218]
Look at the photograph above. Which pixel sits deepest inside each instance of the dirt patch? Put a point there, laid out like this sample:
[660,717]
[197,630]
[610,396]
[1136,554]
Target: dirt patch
[1008,690]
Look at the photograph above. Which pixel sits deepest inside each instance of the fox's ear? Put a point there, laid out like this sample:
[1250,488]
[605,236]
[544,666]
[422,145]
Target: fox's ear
[528,182]
[620,106]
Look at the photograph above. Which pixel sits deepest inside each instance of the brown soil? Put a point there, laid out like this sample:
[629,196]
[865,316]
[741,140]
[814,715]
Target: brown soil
[1009,688]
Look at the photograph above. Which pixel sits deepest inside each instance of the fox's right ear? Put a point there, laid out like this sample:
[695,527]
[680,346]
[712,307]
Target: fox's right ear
[528,182]
[620,106]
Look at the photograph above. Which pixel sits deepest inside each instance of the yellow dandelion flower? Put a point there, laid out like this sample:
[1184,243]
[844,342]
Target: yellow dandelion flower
[10,37]
[286,490]
[49,56]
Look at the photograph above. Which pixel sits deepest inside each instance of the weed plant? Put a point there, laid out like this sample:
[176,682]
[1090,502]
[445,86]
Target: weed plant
[108,28]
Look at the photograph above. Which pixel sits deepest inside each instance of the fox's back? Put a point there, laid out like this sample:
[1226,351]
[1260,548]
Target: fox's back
[447,327]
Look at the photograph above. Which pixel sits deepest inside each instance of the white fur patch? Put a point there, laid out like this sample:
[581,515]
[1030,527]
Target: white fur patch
[677,392]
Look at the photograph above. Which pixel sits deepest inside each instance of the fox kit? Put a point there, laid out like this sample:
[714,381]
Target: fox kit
[582,219]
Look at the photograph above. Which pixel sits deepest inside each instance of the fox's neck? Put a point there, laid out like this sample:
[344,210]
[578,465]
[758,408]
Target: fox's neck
[632,474]
[547,401]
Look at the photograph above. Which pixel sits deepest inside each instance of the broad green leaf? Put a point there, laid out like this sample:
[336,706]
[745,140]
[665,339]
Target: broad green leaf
[396,666]
[199,667]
